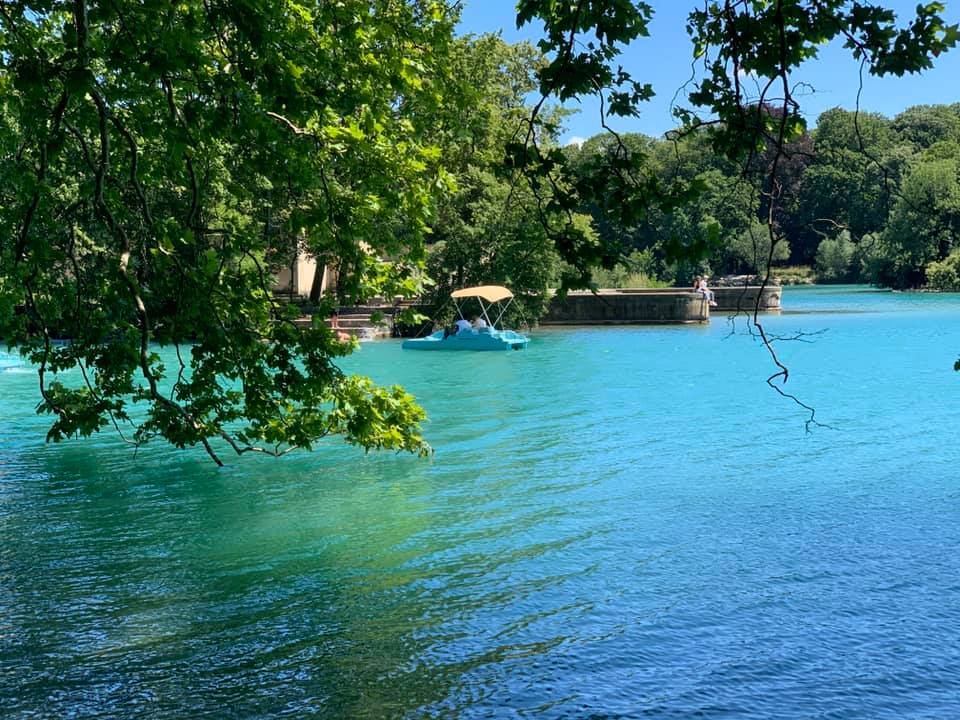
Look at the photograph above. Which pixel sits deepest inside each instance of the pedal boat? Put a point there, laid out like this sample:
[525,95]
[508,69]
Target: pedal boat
[497,299]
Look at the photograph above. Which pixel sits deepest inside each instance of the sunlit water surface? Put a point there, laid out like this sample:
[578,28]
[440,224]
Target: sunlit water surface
[618,522]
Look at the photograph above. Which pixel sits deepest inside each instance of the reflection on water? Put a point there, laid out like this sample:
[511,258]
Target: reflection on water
[617,522]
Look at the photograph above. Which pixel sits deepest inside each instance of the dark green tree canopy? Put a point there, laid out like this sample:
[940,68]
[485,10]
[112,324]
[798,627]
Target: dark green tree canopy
[158,156]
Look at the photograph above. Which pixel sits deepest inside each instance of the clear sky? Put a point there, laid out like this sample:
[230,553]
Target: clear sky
[664,58]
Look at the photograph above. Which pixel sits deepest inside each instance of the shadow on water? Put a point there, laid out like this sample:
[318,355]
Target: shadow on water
[162,583]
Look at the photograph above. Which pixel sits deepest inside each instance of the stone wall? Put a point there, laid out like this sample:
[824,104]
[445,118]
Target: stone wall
[730,299]
[659,306]
[612,307]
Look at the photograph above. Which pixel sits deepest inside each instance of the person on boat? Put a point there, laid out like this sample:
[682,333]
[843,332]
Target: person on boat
[463,326]
[478,322]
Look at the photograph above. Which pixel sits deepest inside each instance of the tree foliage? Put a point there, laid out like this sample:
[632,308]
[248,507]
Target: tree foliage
[760,133]
[835,258]
[490,229]
[944,274]
[158,155]
[857,192]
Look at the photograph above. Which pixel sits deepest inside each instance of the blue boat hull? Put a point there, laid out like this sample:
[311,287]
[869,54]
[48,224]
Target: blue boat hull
[476,340]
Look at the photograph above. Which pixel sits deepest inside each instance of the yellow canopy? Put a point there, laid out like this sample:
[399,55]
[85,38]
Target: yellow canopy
[490,293]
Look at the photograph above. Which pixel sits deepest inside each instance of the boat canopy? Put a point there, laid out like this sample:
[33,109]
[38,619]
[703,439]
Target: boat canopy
[490,293]
[493,294]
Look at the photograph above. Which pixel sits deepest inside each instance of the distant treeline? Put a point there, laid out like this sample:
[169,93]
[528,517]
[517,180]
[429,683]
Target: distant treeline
[862,198]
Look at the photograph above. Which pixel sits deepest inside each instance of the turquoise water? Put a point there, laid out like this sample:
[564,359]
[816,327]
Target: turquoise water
[618,522]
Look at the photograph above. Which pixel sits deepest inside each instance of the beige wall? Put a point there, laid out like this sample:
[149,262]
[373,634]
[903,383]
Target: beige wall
[297,279]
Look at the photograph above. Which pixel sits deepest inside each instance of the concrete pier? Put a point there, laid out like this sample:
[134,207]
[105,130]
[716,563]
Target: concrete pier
[731,299]
[661,306]
[622,307]
[655,306]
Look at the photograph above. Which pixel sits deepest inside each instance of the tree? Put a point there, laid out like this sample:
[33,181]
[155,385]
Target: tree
[944,275]
[925,125]
[490,233]
[924,223]
[850,183]
[865,133]
[488,230]
[835,258]
[767,40]
[583,161]
[155,157]
[753,250]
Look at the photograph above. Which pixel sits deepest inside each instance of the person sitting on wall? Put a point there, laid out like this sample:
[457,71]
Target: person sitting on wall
[706,291]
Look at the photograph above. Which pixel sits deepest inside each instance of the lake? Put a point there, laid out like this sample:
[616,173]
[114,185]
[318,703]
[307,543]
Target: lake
[617,522]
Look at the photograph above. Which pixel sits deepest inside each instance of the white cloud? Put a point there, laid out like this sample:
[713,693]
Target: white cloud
[576,140]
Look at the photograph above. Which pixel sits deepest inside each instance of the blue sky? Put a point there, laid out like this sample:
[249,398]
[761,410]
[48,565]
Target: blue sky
[663,59]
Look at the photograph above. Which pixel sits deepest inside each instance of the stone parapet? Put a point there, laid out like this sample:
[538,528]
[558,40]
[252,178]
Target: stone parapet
[624,307]
[731,299]
[655,306]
